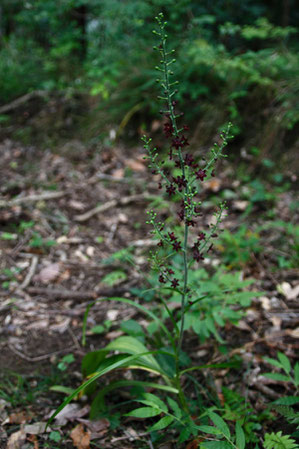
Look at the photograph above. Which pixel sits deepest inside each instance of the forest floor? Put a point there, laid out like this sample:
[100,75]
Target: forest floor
[70,221]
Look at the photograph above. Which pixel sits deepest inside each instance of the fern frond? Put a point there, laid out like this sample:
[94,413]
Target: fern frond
[279,441]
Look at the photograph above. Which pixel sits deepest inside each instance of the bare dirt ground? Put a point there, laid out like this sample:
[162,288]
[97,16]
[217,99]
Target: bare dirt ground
[63,214]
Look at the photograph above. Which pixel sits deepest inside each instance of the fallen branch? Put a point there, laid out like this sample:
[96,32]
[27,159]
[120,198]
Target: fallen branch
[32,198]
[56,293]
[113,203]
[21,100]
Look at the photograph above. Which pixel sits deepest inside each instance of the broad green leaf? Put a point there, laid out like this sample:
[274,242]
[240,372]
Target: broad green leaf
[277,376]
[131,345]
[219,423]
[209,429]
[162,423]
[98,329]
[153,401]
[240,437]
[144,412]
[131,327]
[285,362]
[118,364]
[175,407]
[99,401]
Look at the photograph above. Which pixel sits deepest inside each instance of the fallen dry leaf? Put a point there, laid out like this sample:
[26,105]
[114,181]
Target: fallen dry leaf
[293,332]
[194,444]
[18,418]
[288,291]
[135,165]
[33,439]
[16,440]
[70,413]
[81,439]
[98,428]
[49,273]
[36,428]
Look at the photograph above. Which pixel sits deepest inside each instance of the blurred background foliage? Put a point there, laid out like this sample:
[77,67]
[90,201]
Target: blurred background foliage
[236,61]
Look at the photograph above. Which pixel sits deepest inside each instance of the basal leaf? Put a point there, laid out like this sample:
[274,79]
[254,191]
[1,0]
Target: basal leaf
[131,345]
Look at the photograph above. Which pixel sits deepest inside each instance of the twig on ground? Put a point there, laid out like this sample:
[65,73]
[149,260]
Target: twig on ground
[21,100]
[39,358]
[32,198]
[30,274]
[113,203]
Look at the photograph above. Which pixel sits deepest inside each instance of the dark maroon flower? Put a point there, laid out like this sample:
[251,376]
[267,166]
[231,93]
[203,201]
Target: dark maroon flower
[201,236]
[214,235]
[160,243]
[176,246]
[162,279]
[177,164]
[160,185]
[170,271]
[197,255]
[174,283]
[180,181]
[181,214]
[168,129]
[200,174]
[189,160]
[190,223]
[179,142]
[170,189]
[172,237]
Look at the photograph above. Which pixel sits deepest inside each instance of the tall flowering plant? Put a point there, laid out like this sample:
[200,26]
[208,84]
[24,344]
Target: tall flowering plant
[181,180]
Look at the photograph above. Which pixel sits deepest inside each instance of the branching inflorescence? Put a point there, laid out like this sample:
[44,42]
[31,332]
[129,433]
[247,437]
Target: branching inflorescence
[182,179]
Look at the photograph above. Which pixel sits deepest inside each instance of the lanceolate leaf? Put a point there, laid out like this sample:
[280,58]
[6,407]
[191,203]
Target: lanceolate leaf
[220,424]
[277,376]
[153,401]
[164,422]
[240,437]
[285,362]
[144,412]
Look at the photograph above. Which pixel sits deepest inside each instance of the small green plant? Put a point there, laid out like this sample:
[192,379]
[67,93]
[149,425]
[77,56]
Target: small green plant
[283,363]
[239,247]
[279,441]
